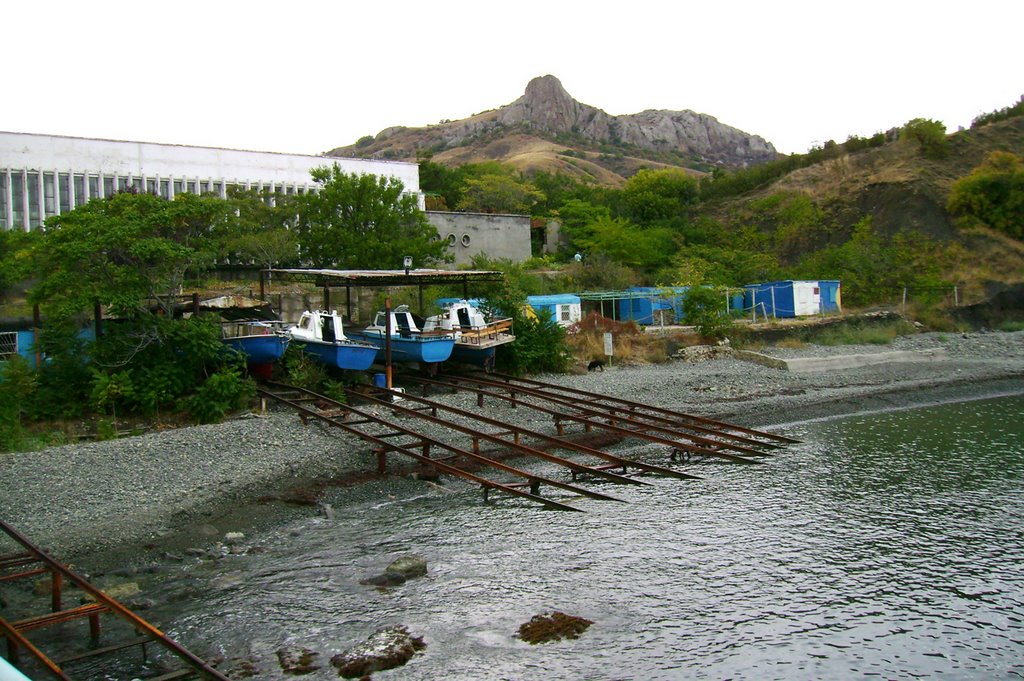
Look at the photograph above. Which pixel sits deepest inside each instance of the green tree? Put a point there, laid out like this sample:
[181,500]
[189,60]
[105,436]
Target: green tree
[499,193]
[930,136]
[659,196]
[363,222]
[992,194]
[262,232]
[704,307]
[15,258]
[623,242]
[873,267]
[126,250]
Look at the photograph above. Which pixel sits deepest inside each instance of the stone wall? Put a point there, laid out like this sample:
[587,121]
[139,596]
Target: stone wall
[470,234]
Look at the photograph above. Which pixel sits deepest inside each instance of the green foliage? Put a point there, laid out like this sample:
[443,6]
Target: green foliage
[152,364]
[442,181]
[261,232]
[539,348]
[540,343]
[499,193]
[930,137]
[704,308]
[301,370]
[622,242]
[598,272]
[363,222]
[992,194]
[64,380]
[873,267]
[110,390]
[870,334]
[1003,114]
[15,258]
[799,225]
[720,266]
[224,391]
[126,250]
[518,278]
[658,196]
[17,385]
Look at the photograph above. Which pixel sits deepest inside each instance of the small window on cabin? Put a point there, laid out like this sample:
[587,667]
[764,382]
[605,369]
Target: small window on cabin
[8,344]
[565,313]
[304,321]
[817,291]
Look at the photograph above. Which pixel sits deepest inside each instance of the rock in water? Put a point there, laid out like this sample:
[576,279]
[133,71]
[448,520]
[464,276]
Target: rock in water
[386,579]
[387,648]
[553,627]
[295,660]
[408,566]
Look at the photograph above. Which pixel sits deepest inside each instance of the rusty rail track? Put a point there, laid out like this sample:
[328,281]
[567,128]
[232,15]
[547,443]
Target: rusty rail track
[506,436]
[653,413]
[22,565]
[338,415]
[621,422]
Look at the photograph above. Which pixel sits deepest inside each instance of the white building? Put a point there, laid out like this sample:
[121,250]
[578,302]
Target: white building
[45,175]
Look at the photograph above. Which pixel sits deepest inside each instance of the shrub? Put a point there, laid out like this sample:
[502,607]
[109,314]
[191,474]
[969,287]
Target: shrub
[222,392]
[703,308]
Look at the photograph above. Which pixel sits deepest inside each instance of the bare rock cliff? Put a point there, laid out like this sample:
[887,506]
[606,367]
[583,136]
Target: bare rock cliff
[548,107]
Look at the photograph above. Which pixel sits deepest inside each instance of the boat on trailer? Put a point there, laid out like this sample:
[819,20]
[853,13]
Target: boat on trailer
[409,343]
[322,336]
[476,337]
[260,341]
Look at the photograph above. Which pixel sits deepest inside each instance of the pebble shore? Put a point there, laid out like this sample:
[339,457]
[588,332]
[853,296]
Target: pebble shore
[93,498]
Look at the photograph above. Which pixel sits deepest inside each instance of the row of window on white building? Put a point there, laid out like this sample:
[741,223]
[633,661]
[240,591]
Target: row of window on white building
[28,197]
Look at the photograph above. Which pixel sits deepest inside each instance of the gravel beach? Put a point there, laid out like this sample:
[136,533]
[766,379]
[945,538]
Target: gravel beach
[98,500]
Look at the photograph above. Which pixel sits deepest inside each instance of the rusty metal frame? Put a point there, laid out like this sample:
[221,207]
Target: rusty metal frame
[103,603]
[707,447]
[383,447]
[677,417]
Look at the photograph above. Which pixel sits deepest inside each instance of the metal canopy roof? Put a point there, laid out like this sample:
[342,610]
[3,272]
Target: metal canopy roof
[326,277]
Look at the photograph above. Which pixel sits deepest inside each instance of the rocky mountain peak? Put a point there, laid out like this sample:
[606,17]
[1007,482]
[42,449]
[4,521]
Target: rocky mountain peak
[548,107]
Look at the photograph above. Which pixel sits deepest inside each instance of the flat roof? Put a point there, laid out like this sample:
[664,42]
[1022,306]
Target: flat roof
[329,277]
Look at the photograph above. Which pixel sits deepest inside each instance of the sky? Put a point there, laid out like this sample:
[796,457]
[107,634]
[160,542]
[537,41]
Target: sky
[306,76]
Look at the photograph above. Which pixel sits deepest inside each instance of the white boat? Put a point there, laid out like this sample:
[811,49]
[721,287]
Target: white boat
[323,337]
[408,342]
[476,337]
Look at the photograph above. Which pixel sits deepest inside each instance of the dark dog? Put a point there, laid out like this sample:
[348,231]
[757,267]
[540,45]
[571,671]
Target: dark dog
[596,364]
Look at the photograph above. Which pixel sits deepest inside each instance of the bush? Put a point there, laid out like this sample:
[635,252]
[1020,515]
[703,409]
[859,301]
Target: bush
[930,136]
[703,308]
[222,392]
[540,347]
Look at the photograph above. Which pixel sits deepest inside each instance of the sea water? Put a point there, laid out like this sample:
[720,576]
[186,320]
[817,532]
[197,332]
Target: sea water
[886,545]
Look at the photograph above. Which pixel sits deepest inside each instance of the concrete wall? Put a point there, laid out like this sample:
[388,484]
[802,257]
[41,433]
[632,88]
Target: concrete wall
[44,175]
[470,234]
[46,152]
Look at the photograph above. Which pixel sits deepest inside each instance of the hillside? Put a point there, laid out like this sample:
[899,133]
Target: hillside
[899,189]
[546,129]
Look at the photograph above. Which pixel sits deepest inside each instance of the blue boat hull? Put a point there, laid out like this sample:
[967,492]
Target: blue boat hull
[353,356]
[477,356]
[418,349]
[264,349]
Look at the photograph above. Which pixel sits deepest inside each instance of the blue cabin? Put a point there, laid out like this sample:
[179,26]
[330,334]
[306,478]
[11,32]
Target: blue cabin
[831,295]
[649,305]
[784,298]
[563,308]
[23,342]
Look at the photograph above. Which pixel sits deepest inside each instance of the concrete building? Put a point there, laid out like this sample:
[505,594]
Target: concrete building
[45,175]
[496,236]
